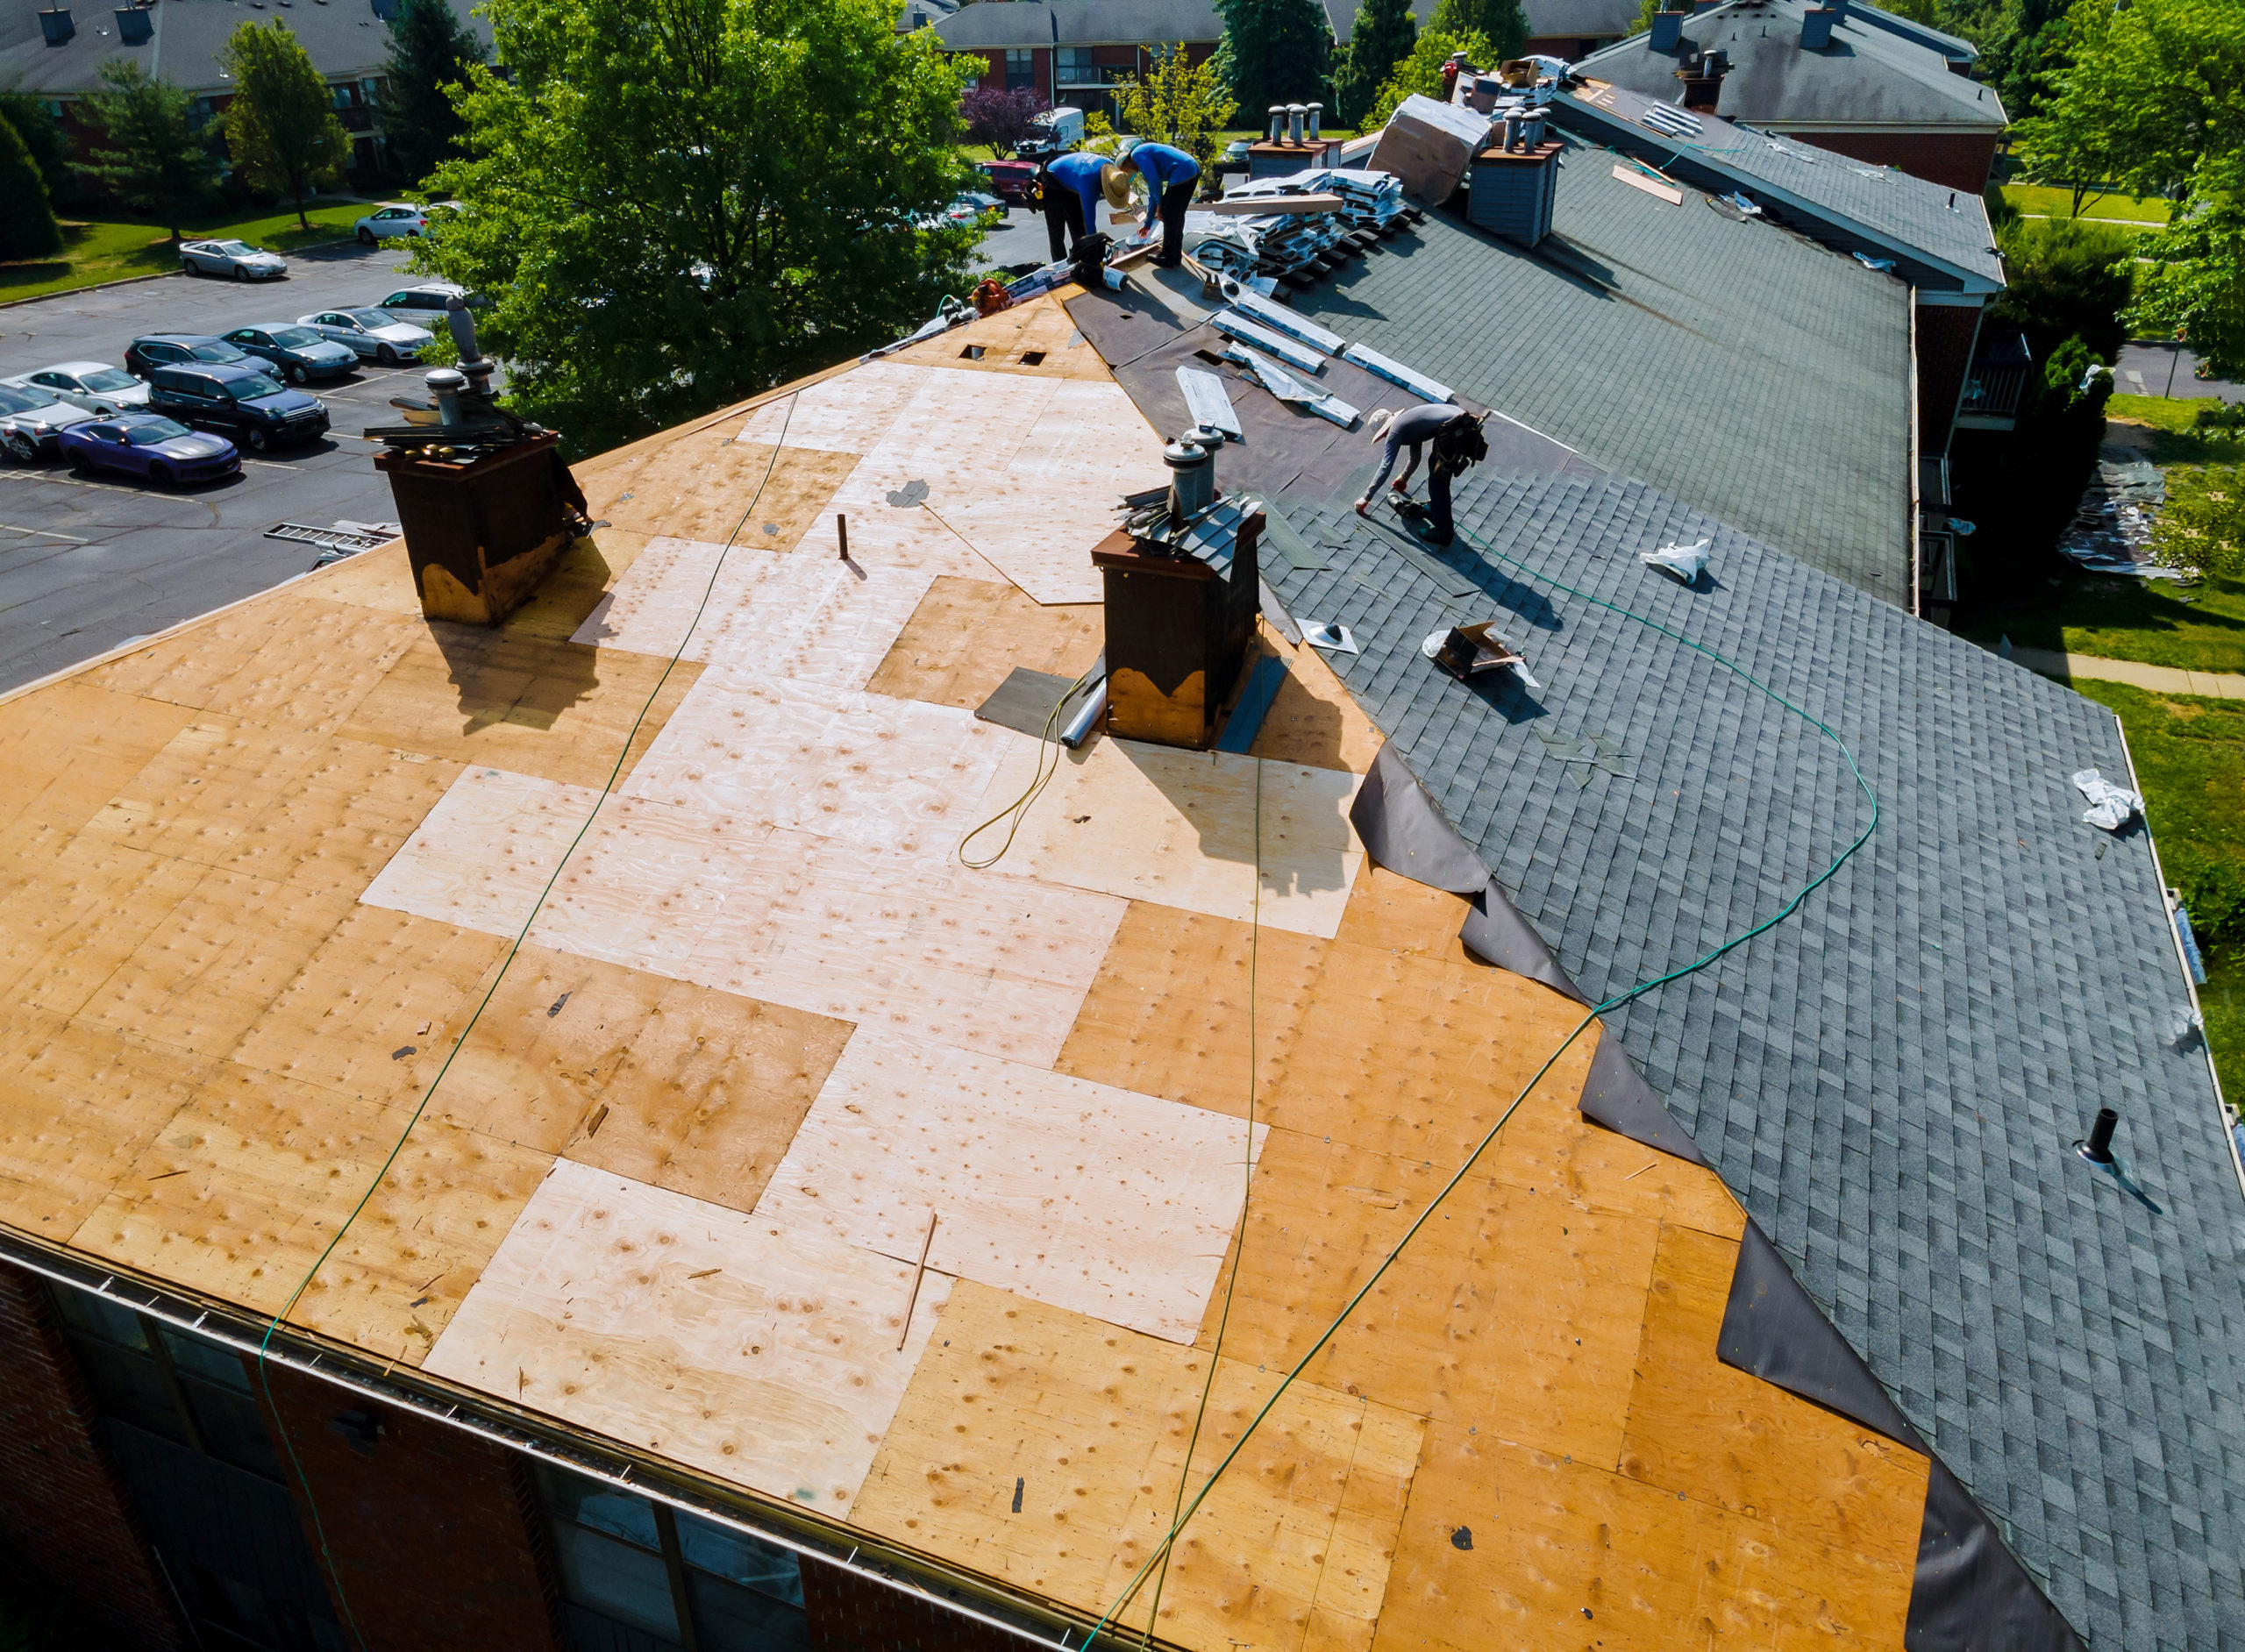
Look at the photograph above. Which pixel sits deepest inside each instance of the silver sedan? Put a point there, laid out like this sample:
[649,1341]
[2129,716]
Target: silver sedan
[374,333]
[237,259]
[30,420]
[100,389]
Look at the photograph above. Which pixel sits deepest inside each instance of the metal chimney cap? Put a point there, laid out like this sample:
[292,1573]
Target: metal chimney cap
[1184,454]
[445,379]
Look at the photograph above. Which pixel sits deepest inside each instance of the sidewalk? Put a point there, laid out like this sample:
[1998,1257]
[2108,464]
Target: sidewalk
[2166,680]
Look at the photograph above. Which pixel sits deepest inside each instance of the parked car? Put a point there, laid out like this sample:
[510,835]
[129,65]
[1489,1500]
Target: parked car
[144,355]
[398,220]
[432,296]
[241,401]
[149,446]
[30,421]
[370,332]
[300,353]
[237,259]
[1010,179]
[100,389]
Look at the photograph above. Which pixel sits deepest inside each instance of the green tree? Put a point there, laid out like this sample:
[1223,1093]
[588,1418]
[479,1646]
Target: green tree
[672,203]
[430,50]
[1383,33]
[1500,22]
[1273,51]
[282,125]
[2064,279]
[1181,103]
[2192,285]
[152,152]
[27,226]
[49,145]
[1420,74]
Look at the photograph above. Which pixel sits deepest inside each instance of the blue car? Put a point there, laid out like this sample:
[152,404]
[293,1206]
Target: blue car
[244,404]
[150,447]
[298,352]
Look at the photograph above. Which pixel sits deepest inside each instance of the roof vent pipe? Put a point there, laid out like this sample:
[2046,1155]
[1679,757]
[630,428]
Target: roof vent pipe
[1317,119]
[1277,122]
[56,26]
[1816,27]
[1513,123]
[2098,1149]
[1531,126]
[1667,30]
[1192,479]
[1296,113]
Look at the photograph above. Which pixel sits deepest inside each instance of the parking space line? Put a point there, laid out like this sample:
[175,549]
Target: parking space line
[10,527]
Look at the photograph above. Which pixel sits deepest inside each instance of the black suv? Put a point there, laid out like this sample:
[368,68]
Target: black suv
[143,356]
[239,400]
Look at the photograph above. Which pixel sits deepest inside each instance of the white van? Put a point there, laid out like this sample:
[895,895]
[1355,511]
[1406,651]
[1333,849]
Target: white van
[1066,125]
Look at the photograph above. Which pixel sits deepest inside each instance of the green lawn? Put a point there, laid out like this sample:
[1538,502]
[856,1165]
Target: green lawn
[2046,201]
[2174,414]
[2190,755]
[110,249]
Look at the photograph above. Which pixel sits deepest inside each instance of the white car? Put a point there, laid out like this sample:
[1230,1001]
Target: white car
[401,220]
[30,420]
[374,333]
[100,389]
[237,259]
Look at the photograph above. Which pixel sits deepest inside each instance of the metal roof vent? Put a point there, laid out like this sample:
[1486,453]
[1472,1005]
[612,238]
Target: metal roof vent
[56,26]
[133,25]
[1667,30]
[2098,1149]
[1816,25]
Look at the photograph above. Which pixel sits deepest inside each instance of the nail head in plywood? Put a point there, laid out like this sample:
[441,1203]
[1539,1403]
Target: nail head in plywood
[766,1358]
[1188,829]
[967,636]
[1076,1194]
[1094,1422]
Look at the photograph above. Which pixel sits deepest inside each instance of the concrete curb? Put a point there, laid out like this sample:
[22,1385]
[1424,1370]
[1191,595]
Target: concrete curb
[160,275]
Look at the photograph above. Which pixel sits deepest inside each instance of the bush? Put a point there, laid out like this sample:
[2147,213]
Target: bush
[2067,281]
[2218,416]
[2202,525]
[2076,382]
[2213,890]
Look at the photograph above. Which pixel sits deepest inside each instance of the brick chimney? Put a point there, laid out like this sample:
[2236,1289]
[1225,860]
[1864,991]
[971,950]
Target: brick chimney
[1816,25]
[1702,76]
[1667,30]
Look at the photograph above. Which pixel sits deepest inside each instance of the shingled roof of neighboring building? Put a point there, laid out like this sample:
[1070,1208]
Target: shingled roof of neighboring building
[1079,22]
[1547,20]
[1778,402]
[1869,75]
[346,39]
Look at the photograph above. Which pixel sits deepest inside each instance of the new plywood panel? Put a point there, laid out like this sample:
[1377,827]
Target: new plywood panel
[520,702]
[765,1357]
[847,414]
[66,748]
[707,485]
[245,1187]
[576,584]
[486,851]
[1390,913]
[882,772]
[1509,1310]
[1312,720]
[678,1086]
[379,578]
[73,912]
[1701,1426]
[1188,829]
[1079,1195]
[1086,1426]
[1040,325]
[967,636]
[1504,1545]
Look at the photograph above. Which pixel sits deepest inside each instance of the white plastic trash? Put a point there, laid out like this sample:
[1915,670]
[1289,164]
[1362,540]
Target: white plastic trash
[1685,562]
[1324,634]
[2111,806]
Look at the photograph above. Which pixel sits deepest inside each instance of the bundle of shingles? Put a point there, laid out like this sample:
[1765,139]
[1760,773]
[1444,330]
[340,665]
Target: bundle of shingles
[1298,228]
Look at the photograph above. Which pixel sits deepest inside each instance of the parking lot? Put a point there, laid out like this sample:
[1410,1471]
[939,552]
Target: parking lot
[86,563]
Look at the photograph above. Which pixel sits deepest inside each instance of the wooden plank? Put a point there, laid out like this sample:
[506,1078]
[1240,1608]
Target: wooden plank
[523,703]
[1510,1310]
[1076,1194]
[1700,1427]
[967,635]
[1502,1544]
[486,851]
[668,1083]
[883,773]
[247,1184]
[1091,1423]
[1314,721]
[66,748]
[763,1357]
[1188,829]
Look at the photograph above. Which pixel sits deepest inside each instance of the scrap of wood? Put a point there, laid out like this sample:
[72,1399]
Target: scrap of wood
[1261,206]
[918,1274]
[1638,180]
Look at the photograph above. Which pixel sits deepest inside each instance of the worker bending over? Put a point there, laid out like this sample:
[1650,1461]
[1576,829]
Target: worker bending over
[1457,442]
[1068,189]
[1170,175]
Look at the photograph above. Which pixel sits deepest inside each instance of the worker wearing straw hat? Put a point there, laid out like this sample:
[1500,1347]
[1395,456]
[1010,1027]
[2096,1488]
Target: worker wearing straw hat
[1170,175]
[1070,188]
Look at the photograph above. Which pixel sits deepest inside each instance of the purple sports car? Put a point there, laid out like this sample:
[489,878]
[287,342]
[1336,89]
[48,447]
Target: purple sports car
[163,450]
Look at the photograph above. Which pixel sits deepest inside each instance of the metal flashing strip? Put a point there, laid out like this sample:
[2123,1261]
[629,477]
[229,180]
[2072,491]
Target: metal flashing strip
[1281,319]
[1209,402]
[1395,372]
[1236,326]
[1246,719]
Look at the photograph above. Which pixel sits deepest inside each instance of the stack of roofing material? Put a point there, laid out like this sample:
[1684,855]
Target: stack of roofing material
[1369,200]
[1296,247]
[1428,145]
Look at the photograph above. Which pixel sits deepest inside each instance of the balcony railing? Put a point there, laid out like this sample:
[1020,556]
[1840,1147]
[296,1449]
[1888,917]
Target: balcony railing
[1998,379]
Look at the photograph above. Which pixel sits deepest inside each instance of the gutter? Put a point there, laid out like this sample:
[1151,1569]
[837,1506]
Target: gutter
[1915,523]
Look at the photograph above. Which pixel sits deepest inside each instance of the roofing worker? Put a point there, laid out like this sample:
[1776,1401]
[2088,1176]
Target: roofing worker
[1070,186]
[1457,442]
[1170,175]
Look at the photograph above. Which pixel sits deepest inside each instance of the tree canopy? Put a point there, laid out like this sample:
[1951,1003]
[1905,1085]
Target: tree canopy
[1420,74]
[430,50]
[1181,104]
[1500,22]
[1273,51]
[282,125]
[1383,36]
[43,140]
[999,116]
[27,226]
[150,153]
[672,203]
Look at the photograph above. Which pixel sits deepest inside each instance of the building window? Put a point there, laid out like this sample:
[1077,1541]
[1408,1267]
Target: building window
[626,1562]
[1021,69]
[1078,66]
[189,1391]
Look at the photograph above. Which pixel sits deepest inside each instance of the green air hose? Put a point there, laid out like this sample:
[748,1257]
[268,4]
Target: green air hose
[1176,1525]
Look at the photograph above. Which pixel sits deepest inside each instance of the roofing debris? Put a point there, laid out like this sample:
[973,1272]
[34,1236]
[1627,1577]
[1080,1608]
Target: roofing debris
[2111,806]
[2111,530]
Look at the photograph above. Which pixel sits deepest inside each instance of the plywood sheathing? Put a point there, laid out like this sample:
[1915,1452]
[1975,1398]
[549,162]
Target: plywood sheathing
[1040,324]
[671,1084]
[766,1357]
[866,768]
[65,749]
[1073,1193]
[1188,829]
[967,636]
[933,950]
[1087,1425]
[847,413]
[588,568]
[1391,913]
[1312,720]
[713,485]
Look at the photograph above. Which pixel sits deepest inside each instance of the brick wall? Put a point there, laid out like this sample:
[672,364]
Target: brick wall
[62,1508]
[844,1611]
[430,1529]
[1957,160]
[1945,338]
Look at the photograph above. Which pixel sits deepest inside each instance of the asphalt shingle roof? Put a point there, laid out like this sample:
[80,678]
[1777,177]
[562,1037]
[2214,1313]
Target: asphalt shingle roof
[1752,373]
[1890,1080]
[1547,20]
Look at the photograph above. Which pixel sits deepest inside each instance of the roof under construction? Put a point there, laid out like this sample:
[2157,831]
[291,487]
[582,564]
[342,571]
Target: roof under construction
[600,1023]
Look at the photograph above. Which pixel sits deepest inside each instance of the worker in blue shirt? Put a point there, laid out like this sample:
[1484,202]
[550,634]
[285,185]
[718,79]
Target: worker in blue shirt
[1070,190]
[1170,175]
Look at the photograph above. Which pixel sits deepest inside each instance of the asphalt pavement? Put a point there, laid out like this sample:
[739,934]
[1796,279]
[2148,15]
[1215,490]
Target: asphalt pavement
[2152,368]
[87,564]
